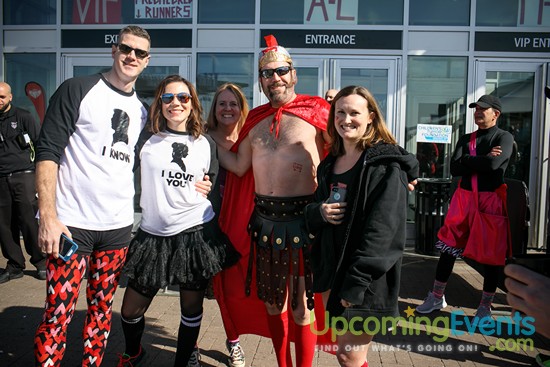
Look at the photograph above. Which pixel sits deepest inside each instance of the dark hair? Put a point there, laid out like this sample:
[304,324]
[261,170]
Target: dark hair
[157,122]
[376,132]
[211,122]
[135,31]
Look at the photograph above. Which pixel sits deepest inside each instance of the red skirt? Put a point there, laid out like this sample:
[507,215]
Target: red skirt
[455,232]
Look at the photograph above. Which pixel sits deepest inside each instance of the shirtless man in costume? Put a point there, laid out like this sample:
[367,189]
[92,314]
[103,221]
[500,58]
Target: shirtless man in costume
[283,142]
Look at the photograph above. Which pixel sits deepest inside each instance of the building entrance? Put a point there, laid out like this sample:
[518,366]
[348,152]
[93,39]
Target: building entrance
[520,87]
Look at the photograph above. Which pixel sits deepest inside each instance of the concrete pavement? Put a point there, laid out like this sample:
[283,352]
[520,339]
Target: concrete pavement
[22,300]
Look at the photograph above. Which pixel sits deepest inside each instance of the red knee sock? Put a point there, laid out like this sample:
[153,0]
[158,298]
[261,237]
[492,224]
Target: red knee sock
[305,342]
[278,326]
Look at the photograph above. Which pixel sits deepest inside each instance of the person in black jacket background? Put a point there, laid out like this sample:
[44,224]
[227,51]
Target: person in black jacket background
[359,219]
[18,202]
[493,150]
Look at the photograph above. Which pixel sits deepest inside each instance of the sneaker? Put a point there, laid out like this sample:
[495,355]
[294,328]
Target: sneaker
[124,360]
[431,303]
[236,354]
[543,360]
[194,360]
[483,316]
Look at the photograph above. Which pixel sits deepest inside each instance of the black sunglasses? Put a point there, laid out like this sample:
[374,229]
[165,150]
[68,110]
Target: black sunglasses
[169,97]
[125,49]
[268,73]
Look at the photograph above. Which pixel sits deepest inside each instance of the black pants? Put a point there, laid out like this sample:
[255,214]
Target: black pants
[18,206]
[491,273]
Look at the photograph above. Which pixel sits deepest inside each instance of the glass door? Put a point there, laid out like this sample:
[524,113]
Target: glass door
[379,76]
[316,75]
[159,67]
[520,88]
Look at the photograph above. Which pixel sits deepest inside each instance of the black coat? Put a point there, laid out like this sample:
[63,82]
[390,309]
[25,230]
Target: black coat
[366,270]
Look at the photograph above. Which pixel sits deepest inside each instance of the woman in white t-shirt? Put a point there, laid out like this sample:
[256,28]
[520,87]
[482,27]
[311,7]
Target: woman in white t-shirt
[179,241]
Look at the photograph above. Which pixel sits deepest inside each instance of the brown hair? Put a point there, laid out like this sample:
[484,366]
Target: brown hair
[377,131]
[211,122]
[157,122]
[135,31]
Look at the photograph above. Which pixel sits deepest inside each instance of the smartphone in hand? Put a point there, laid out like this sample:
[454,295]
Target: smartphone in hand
[66,247]
[337,193]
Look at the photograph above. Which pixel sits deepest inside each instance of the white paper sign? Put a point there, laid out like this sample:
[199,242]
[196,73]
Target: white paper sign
[163,9]
[426,133]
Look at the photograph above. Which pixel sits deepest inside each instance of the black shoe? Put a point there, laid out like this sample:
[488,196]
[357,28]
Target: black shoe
[6,275]
[41,274]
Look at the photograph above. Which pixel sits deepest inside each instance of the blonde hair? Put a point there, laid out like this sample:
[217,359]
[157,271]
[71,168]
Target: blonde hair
[376,132]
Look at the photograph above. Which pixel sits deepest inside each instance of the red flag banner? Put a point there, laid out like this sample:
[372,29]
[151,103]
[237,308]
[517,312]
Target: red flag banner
[35,92]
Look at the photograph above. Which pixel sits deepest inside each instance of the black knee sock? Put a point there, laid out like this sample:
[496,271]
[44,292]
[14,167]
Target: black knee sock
[133,330]
[188,334]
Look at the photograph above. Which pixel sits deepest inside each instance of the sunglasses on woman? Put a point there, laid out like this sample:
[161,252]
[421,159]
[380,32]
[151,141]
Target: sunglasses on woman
[125,49]
[167,98]
[268,73]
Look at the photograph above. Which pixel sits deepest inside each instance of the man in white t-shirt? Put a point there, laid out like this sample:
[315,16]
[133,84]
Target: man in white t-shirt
[85,187]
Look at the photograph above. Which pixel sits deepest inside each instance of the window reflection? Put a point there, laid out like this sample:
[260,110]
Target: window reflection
[439,12]
[375,80]
[226,12]
[24,68]
[515,90]
[17,12]
[436,91]
[497,13]
[308,81]
[270,12]
[387,12]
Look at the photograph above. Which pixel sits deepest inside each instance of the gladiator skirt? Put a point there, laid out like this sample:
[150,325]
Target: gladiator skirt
[281,245]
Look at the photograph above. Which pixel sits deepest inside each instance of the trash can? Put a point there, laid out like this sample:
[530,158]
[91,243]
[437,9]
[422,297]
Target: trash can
[432,201]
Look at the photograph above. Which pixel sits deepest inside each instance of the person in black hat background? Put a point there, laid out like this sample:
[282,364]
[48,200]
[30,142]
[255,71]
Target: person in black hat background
[18,203]
[493,150]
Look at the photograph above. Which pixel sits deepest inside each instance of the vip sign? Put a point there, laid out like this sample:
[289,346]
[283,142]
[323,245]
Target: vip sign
[96,11]
[330,11]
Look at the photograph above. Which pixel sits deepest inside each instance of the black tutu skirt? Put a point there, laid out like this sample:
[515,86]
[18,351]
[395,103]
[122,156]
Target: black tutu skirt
[194,255]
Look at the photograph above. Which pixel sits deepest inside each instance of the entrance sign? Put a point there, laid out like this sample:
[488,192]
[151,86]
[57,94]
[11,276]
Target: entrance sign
[346,39]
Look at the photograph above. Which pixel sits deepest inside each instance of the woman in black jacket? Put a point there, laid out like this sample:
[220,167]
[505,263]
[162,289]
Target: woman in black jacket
[359,219]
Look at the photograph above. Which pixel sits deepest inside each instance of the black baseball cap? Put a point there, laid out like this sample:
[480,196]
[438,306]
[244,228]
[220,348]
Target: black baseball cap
[487,101]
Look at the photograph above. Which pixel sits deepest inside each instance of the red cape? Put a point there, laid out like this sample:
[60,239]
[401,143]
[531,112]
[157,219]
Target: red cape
[248,314]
